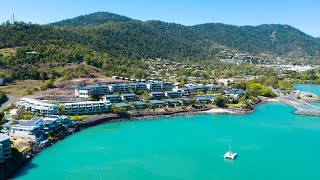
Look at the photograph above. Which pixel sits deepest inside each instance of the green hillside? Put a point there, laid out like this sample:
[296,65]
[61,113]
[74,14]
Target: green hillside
[117,43]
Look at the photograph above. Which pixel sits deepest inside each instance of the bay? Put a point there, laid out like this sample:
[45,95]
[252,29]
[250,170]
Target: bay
[272,143]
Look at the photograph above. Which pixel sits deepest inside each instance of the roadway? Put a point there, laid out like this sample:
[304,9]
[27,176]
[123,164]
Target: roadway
[10,99]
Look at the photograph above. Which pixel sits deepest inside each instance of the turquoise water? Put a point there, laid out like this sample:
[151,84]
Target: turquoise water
[272,142]
[313,88]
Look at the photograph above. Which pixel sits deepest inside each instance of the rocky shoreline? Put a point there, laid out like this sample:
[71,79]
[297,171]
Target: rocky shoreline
[151,115]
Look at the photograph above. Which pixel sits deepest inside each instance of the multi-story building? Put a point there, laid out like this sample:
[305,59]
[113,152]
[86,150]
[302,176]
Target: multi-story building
[139,105]
[36,128]
[33,132]
[128,97]
[122,105]
[156,95]
[5,147]
[159,86]
[156,103]
[87,107]
[92,90]
[125,88]
[112,98]
[37,106]
[171,94]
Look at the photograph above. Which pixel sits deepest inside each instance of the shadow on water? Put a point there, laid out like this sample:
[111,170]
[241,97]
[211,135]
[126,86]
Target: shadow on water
[24,170]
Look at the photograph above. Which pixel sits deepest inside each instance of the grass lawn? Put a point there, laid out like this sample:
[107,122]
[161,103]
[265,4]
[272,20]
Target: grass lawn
[240,105]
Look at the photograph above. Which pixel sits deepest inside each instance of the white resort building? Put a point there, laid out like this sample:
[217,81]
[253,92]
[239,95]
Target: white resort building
[37,106]
[87,107]
[92,90]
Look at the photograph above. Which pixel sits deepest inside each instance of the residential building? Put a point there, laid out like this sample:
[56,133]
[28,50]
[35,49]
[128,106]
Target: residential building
[5,147]
[55,123]
[172,102]
[122,105]
[37,106]
[203,99]
[139,105]
[126,88]
[36,128]
[33,132]
[185,101]
[128,97]
[156,103]
[213,87]
[87,107]
[92,90]
[171,94]
[187,91]
[112,98]
[156,95]
[159,86]
[234,92]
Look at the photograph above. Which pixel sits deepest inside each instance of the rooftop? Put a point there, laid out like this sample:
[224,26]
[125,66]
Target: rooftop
[154,93]
[37,102]
[121,104]
[156,102]
[139,103]
[87,102]
[172,100]
[92,86]
[110,96]
[3,137]
[128,95]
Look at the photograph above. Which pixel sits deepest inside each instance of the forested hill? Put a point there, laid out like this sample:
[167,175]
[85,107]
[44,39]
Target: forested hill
[114,43]
[175,40]
[93,19]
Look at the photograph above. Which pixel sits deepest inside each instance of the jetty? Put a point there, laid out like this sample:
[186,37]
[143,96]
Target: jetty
[302,107]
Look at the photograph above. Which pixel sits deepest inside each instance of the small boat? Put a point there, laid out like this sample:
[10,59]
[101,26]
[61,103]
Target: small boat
[230,155]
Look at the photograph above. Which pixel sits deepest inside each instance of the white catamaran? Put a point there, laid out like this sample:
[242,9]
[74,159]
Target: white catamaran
[230,154]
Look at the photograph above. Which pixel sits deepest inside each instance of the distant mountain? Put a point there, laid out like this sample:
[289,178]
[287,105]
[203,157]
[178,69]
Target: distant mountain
[93,19]
[115,44]
[120,36]
[168,39]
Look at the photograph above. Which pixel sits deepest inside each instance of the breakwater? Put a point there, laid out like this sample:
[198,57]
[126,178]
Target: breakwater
[301,106]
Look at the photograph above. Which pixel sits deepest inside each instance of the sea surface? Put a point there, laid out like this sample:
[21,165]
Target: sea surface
[313,88]
[272,143]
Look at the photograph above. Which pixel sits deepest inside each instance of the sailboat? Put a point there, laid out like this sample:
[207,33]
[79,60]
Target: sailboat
[230,155]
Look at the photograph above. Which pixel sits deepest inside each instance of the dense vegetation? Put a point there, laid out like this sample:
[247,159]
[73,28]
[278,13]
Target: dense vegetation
[3,97]
[116,44]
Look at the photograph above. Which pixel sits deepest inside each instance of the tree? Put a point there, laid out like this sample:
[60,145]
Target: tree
[118,110]
[220,101]
[61,110]
[2,118]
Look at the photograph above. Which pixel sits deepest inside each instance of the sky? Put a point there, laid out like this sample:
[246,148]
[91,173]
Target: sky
[302,14]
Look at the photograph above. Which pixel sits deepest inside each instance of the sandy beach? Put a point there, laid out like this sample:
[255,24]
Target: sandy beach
[220,111]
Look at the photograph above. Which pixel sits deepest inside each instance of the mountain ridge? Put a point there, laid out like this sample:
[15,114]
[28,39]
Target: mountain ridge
[278,39]
[121,36]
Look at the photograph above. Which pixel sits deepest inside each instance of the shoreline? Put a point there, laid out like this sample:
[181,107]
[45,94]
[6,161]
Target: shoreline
[131,116]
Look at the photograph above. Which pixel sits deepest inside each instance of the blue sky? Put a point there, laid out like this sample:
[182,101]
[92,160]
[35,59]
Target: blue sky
[302,14]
